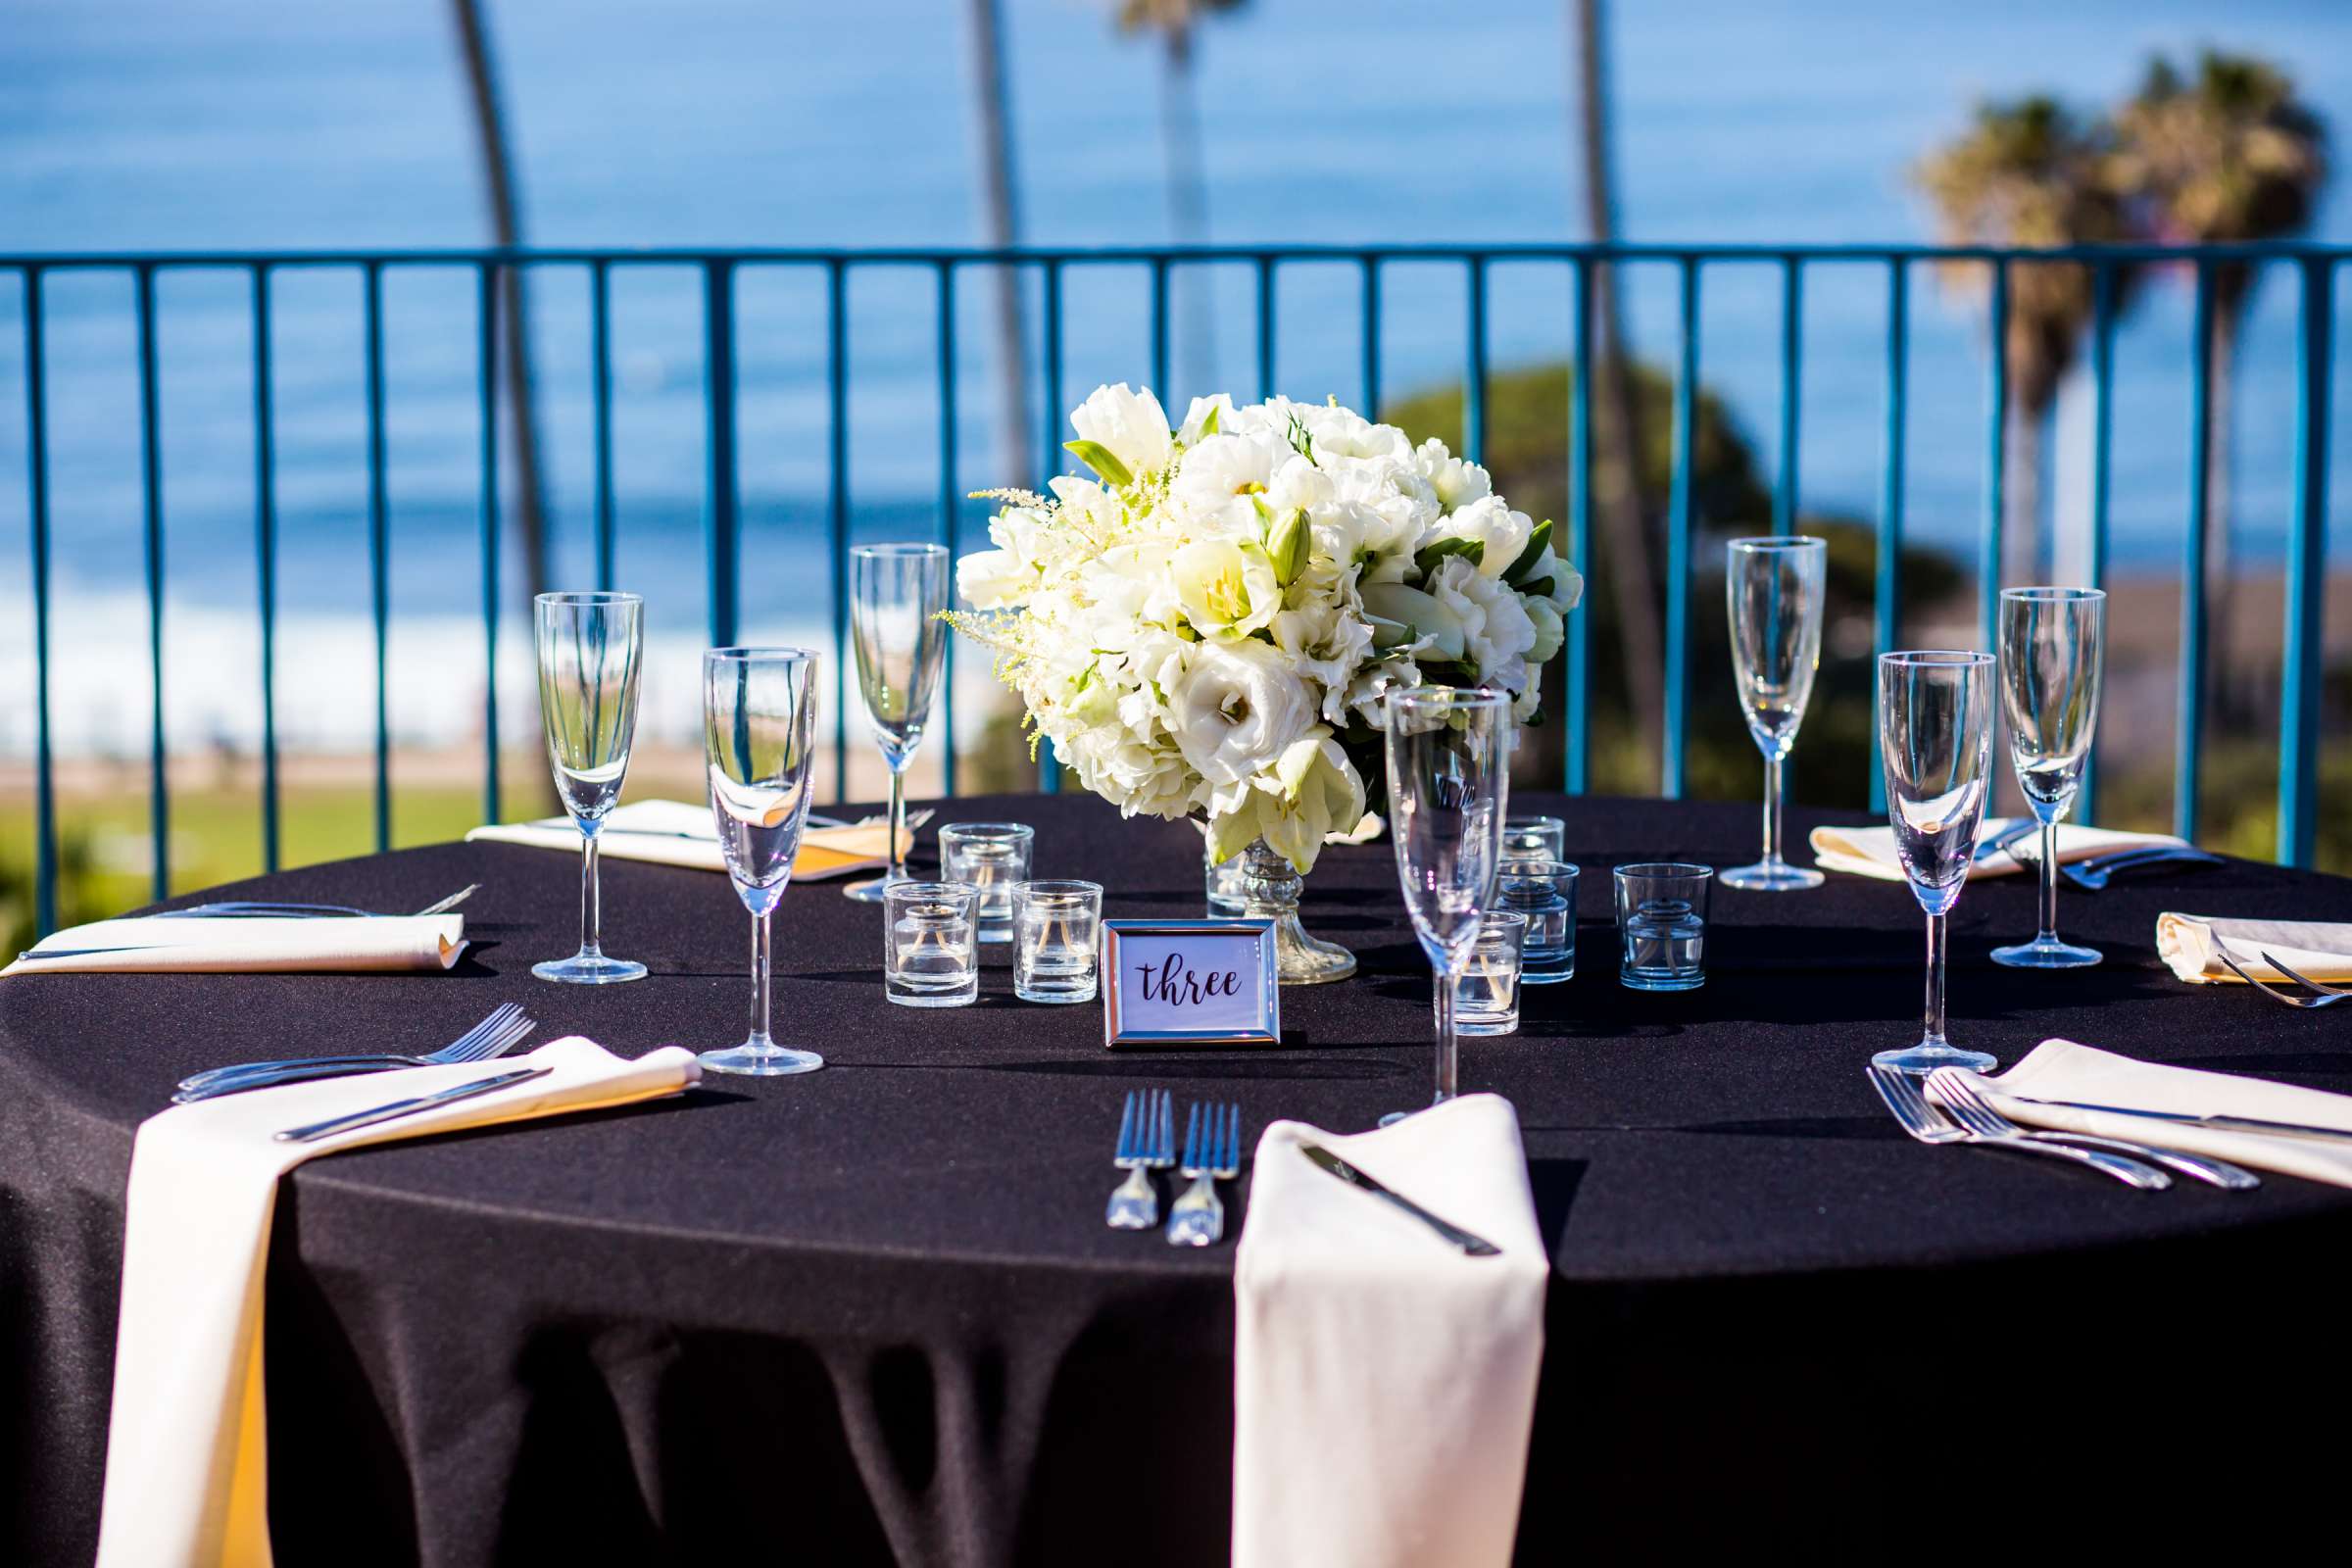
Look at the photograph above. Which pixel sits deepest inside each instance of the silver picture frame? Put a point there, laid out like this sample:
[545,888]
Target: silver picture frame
[1259,933]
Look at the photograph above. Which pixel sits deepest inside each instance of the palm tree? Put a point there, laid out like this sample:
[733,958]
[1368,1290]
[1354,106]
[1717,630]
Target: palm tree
[505,199]
[1180,142]
[2026,174]
[2229,156]
[1617,492]
[992,102]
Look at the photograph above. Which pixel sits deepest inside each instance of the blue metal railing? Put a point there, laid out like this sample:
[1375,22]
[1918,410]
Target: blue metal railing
[720,271]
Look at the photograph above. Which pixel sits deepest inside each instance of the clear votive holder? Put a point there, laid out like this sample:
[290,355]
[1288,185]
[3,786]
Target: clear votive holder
[1227,900]
[1662,918]
[1054,927]
[928,959]
[1545,891]
[1534,838]
[990,856]
[1485,998]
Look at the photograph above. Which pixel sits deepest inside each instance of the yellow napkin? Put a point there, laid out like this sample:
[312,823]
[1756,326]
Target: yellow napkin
[195,944]
[677,833]
[185,1475]
[2319,948]
[1870,850]
[2061,1069]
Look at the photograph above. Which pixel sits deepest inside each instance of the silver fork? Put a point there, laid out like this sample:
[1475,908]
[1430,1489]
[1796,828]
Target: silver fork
[264,909]
[2326,999]
[2021,828]
[1952,1091]
[2320,986]
[496,1034]
[2094,872]
[1147,1141]
[1213,1153]
[1930,1125]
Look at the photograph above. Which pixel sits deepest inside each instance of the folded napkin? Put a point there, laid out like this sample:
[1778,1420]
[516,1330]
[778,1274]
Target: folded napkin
[1383,1383]
[2191,944]
[676,833]
[2060,1069]
[206,944]
[185,1472]
[1870,850]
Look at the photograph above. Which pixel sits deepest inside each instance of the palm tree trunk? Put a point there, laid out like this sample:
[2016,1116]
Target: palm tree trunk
[992,100]
[513,327]
[1616,431]
[1188,209]
[2026,451]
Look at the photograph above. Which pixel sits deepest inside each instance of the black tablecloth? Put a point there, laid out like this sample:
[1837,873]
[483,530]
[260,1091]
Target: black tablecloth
[872,1313]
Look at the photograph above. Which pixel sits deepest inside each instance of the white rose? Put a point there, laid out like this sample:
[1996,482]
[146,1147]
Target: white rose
[1130,425]
[1456,482]
[1497,633]
[1237,707]
[1326,644]
[1493,523]
[1226,589]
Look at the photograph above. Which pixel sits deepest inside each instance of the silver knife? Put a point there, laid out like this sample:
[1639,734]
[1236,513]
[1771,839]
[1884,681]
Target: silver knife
[1471,1243]
[408,1108]
[2231,1124]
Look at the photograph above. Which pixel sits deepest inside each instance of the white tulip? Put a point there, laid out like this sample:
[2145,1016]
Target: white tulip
[1130,425]
[1226,589]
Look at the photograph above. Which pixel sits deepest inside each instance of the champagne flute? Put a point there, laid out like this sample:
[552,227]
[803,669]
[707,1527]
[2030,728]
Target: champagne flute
[591,647]
[1936,747]
[758,741]
[1450,781]
[2053,645]
[897,593]
[1774,590]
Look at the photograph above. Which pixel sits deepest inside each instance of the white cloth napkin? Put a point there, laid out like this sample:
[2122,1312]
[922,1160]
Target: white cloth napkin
[2061,1069]
[185,1467]
[676,833]
[2191,944]
[196,943]
[1383,1383]
[1870,850]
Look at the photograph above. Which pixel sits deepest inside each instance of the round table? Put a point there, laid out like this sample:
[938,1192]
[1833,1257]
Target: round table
[872,1313]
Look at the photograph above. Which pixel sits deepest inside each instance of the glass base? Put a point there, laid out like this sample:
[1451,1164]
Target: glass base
[1771,876]
[1660,980]
[1472,1029]
[589,969]
[1552,978]
[959,995]
[760,1061]
[2050,954]
[868,891]
[1924,1057]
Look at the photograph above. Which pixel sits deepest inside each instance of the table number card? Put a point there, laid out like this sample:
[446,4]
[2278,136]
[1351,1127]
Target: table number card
[1190,983]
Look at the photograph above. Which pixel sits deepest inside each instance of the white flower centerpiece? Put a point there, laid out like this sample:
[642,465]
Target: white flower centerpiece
[1209,626]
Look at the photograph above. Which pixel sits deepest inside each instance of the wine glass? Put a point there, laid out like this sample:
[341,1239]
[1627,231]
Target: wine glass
[1449,782]
[759,740]
[2053,643]
[1774,589]
[1936,747]
[897,593]
[591,647]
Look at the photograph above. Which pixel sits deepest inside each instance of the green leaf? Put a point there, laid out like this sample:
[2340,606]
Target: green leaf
[1286,546]
[1538,545]
[1209,427]
[1426,561]
[1098,457]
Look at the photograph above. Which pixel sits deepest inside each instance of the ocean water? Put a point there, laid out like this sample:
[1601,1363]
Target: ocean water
[234,124]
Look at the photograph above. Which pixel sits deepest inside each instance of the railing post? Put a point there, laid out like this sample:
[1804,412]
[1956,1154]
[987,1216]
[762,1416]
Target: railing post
[837,400]
[1265,327]
[1474,384]
[486,318]
[1371,337]
[1580,537]
[1887,595]
[1678,535]
[1792,302]
[2189,741]
[151,487]
[2102,423]
[265,549]
[719,484]
[600,367]
[2306,574]
[1049,766]
[1996,457]
[380,554]
[949,508]
[36,466]
[1159,338]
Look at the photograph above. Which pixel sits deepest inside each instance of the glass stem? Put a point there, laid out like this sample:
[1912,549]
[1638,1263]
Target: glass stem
[1443,1001]
[759,1040]
[592,913]
[897,827]
[2048,868]
[1772,811]
[1934,1035]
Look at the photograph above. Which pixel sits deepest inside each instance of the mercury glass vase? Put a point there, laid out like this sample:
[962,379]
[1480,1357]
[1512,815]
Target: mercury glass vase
[1270,889]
